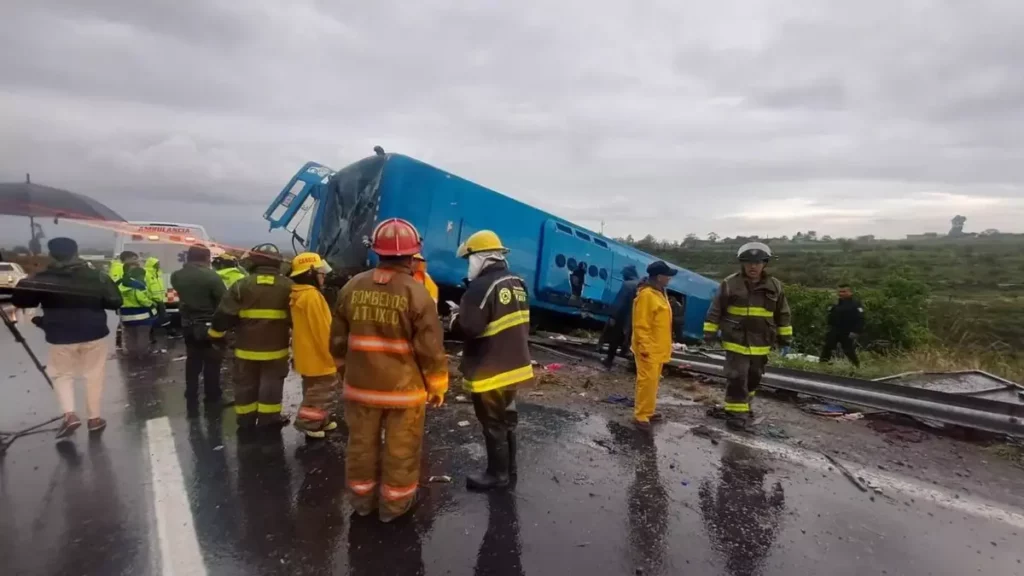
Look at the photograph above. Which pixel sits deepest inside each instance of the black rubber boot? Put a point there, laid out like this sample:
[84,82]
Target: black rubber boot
[513,446]
[738,422]
[496,475]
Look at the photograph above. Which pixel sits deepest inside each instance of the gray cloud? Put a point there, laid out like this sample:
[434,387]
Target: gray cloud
[668,117]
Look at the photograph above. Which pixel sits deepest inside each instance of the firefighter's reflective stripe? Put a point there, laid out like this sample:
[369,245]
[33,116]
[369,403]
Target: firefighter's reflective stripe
[263,314]
[747,350]
[785,330]
[500,380]
[214,333]
[361,488]
[710,327]
[135,317]
[245,408]
[396,399]
[398,492]
[756,311]
[268,408]
[263,356]
[750,395]
[265,279]
[505,322]
[310,413]
[437,381]
[737,407]
[375,344]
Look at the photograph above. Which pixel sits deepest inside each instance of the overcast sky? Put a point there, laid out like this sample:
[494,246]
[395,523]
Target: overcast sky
[663,117]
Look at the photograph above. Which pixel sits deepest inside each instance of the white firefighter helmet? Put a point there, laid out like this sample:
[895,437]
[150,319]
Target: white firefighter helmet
[754,252]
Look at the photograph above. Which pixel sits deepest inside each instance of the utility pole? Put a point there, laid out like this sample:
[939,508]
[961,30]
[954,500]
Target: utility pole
[602,227]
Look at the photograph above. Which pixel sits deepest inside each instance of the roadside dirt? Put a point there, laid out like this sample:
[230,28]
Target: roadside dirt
[964,463]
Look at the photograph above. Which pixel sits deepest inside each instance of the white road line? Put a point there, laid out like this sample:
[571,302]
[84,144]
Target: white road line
[888,483]
[179,547]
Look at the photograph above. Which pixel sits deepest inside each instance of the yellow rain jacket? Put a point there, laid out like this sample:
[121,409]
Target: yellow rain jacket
[116,270]
[652,324]
[311,332]
[155,280]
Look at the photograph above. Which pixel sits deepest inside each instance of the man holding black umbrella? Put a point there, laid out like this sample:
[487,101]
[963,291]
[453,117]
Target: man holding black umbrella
[75,298]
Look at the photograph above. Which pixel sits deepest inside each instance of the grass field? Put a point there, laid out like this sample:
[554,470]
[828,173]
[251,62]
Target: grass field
[939,304]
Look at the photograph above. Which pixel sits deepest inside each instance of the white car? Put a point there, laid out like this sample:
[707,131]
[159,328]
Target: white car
[11,274]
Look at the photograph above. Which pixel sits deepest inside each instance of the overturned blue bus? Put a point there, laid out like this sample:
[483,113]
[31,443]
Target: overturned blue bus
[338,210]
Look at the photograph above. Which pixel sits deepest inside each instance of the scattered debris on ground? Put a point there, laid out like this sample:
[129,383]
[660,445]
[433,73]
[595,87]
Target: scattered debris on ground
[440,480]
[846,472]
[1012,452]
[620,399]
[825,409]
[707,432]
[897,433]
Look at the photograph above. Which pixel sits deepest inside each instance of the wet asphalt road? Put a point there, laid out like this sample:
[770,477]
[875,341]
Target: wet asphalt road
[593,497]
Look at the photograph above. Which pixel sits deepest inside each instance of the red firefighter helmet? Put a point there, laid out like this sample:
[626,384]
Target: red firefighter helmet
[396,237]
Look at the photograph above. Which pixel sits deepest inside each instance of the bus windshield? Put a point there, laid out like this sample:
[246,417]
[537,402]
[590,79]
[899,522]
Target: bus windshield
[348,213]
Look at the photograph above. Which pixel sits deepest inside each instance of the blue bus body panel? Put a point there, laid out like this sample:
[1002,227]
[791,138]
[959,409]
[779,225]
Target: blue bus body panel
[447,209]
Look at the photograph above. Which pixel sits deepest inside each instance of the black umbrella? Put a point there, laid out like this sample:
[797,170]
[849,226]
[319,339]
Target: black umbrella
[37,201]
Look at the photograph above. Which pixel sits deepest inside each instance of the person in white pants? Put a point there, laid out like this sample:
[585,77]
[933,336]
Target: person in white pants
[75,298]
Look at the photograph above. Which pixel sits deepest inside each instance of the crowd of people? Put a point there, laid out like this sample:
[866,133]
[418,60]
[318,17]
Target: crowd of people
[749,316]
[378,351]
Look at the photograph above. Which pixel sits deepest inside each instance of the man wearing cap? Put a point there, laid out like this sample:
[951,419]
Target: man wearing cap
[311,345]
[199,291]
[75,299]
[652,340]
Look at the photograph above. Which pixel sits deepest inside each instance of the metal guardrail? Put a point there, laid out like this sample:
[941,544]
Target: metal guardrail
[956,409]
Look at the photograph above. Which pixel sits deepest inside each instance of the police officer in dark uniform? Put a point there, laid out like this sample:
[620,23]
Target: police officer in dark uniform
[845,323]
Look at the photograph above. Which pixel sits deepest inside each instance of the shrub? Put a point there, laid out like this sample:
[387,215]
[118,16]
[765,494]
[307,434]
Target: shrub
[896,315]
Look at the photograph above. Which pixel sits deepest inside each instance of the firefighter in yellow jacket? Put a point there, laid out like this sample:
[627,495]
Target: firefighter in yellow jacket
[387,339]
[651,341]
[419,272]
[752,313]
[494,317]
[257,308]
[311,345]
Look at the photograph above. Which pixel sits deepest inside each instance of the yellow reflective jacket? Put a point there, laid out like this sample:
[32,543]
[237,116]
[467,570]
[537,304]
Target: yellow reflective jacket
[752,316]
[257,308]
[652,324]
[116,270]
[154,280]
[311,332]
[231,275]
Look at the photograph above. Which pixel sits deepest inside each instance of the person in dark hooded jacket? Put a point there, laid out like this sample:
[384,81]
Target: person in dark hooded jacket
[75,299]
[621,317]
